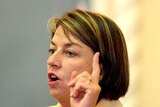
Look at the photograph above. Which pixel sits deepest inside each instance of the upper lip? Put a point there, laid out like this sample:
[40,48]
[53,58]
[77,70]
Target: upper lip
[50,74]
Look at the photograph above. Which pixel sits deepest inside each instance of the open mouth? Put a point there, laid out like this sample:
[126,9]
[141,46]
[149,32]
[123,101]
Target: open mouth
[52,77]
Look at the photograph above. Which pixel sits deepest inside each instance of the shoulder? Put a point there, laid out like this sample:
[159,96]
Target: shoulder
[107,103]
[58,105]
[53,106]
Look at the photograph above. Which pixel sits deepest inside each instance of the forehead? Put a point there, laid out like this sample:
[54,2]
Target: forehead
[63,35]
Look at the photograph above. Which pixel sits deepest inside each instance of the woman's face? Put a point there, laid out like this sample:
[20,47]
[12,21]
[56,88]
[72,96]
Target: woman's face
[66,57]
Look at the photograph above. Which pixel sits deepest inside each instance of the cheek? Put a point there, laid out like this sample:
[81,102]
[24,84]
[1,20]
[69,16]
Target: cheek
[69,67]
[85,64]
[80,66]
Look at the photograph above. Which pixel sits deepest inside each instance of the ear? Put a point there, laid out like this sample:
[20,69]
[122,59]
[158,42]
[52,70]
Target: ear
[101,72]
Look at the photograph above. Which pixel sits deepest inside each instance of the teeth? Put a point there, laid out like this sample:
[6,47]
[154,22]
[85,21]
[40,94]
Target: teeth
[53,78]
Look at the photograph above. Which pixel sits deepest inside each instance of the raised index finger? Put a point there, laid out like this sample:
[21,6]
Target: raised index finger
[96,67]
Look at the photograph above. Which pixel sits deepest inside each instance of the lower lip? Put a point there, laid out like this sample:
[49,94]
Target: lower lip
[53,83]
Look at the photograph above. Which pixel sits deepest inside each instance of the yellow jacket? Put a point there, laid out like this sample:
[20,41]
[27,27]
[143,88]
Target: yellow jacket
[102,103]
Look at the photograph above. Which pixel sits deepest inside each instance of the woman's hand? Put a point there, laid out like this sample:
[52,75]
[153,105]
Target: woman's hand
[84,88]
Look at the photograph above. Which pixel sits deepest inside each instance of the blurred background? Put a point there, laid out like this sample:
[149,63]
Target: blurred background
[24,42]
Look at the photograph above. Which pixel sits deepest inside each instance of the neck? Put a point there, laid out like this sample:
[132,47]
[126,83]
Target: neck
[64,102]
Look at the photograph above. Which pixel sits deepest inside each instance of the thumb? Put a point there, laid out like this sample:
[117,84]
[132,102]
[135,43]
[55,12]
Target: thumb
[73,75]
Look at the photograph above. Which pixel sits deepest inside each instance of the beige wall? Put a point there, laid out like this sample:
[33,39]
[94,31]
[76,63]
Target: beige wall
[149,67]
[139,20]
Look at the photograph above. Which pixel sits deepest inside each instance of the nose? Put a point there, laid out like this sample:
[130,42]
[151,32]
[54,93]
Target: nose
[54,60]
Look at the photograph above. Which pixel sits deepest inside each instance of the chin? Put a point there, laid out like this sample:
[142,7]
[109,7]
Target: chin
[58,94]
[54,93]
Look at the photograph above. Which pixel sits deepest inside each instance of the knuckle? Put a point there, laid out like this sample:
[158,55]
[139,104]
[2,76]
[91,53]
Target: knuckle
[97,89]
[85,73]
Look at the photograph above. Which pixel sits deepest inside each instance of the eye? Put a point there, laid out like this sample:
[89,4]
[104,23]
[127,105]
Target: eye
[51,51]
[70,53]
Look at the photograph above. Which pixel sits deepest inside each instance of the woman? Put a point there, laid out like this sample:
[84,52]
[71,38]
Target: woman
[88,62]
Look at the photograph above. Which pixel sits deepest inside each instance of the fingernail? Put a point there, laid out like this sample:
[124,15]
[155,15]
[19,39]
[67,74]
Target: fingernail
[71,94]
[75,94]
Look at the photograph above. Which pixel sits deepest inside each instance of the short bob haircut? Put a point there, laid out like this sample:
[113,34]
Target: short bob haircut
[102,35]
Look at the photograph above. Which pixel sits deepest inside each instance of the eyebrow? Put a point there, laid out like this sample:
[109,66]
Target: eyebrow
[68,44]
